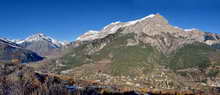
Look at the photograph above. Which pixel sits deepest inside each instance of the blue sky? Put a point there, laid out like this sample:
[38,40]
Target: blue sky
[67,19]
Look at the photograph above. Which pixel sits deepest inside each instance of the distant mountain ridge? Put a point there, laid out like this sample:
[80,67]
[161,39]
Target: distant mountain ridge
[40,37]
[11,52]
[41,44]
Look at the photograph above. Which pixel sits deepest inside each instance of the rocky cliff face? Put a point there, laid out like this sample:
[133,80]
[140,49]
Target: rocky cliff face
[13,53]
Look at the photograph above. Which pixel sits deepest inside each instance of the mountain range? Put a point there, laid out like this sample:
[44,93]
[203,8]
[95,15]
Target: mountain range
[144,53]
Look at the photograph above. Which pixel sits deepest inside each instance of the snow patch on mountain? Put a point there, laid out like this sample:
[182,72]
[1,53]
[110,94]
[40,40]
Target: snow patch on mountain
[139,20]
[113,23]
[90,35]
[193,29]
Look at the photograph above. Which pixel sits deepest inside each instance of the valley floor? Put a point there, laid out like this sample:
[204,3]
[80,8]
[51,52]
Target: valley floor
[18,79]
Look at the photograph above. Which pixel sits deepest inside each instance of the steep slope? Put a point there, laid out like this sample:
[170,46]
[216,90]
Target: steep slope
[41,44]
[11,52]
[147,52]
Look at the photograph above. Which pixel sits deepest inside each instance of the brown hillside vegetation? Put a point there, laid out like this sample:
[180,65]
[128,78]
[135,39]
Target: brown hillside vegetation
[17,79]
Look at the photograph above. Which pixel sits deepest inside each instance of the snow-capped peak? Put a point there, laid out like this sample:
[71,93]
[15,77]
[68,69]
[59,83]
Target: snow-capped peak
[110,29]
[41,37]
[37,37]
